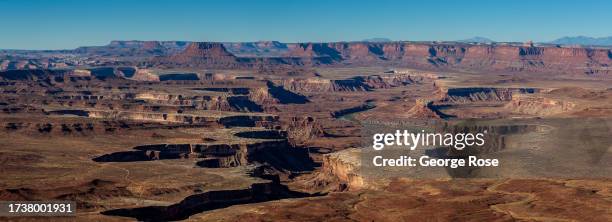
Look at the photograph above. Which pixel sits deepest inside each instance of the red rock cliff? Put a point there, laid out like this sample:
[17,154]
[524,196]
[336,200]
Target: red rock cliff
[448,56]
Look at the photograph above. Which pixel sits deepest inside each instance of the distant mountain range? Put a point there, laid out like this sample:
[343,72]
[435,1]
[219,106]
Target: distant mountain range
[477,39]
[574,40]
[377,40]
[583,40]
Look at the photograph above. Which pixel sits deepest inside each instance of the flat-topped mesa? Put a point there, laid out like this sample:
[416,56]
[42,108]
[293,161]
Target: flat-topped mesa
[237,103]
[207,50]
[216,55]
[503,58]
[481,94]
[538,59]
[422,55]
[321,53]
[209,54]
[337,52]
[274,56]
[539,105]
[358,83]
[73,75]
[227,120]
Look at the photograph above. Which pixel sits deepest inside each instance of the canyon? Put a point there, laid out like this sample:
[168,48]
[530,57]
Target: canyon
[235,131]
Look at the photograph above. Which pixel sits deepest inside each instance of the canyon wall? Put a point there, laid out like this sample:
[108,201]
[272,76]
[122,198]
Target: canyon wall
[274,56]
[342,168]
[446,56]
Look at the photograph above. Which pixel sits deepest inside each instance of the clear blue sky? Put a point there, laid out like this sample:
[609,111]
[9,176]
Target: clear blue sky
[60,24]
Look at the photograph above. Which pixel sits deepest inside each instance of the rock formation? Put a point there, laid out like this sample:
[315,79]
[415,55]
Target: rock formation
[449,56]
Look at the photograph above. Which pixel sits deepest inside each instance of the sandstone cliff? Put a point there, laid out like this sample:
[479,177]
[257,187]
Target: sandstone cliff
[445,56]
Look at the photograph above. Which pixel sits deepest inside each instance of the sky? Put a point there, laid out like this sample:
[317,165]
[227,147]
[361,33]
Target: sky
[66,24]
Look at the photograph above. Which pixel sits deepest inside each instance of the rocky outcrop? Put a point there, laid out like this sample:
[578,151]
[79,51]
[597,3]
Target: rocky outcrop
[284,96]
[227,121]
[360,83]
[215,55]
[72,75]
[275,56]
[342,168]
[480,94]
[255,99]
[538,59]
[151,116]
[302,129]
[66,127]
[201,54]
[308,85]
[144,75]
[424,109]
[241,103]
[460,56]
[539,106]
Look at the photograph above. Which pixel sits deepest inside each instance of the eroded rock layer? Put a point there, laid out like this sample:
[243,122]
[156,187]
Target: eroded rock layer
[501,58]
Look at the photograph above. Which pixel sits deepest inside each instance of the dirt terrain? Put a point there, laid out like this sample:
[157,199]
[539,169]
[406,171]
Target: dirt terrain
[159,131]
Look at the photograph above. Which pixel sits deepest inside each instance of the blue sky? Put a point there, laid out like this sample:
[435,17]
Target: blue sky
[61,24]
